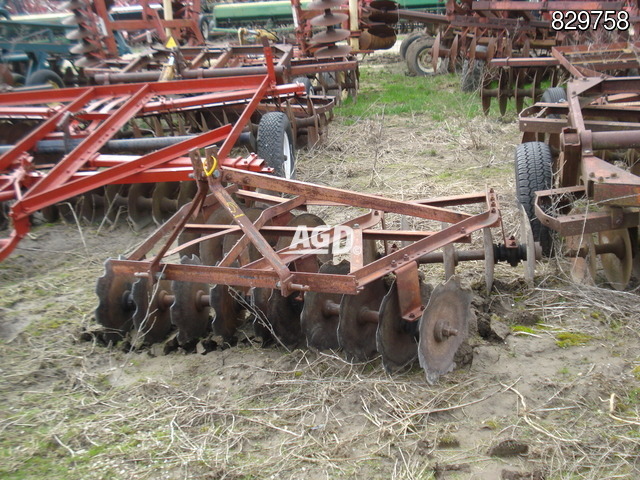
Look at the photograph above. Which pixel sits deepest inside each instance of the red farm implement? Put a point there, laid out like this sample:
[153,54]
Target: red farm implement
[577,168]
[86,142]
[472,36]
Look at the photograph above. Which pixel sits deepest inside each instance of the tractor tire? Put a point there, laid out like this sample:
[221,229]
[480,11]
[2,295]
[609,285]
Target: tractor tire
[44,77]
[419,57]
[205,28]
[533,165]
[308,87]
[554,95]
[408,40]
[275,144]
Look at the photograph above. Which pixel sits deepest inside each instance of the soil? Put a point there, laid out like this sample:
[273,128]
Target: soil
[553,390]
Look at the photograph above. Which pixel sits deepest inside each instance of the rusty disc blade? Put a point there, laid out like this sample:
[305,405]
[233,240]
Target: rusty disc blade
[526,239]
[259,305]
[435,52]
[186,236]
[333,51]
[517,93]
[324,4]
[152,318]
[115,309]
[443,328]
[329,19]
[50,214]
[386,17]
[189,312]
[283,318]
[92,205]
[583,268]
[187,192]
[472,50]
[164,201]
[382,31]
[211,250]
[356,332]
[489,259]
[139,204]
[397,339]
[252,213]
[384,5]
[453,54]
[330,36]
[618,265]
[319,321]
[486,101]
[308,220]
[116,198]
[226,310]
[503,91]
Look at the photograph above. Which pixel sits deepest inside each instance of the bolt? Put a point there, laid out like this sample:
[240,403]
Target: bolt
[356,225]
[405,257]
[449,332]
[614,175]
[592,175]
[393,263]
[412,315]
[601,179]
[463,230]
[216,174]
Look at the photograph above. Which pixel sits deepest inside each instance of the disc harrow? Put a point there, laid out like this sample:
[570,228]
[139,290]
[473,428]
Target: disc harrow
[126,149]
[577,175]
[354,286]
[500,47]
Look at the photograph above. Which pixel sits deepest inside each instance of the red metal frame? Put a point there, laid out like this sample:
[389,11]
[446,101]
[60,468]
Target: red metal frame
[275,270]
[77,172]
[601,115]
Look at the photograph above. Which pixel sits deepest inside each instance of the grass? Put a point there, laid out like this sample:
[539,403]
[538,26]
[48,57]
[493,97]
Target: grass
[572,339]
[394,93]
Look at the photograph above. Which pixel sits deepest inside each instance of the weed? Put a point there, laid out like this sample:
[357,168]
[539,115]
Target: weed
[572,339]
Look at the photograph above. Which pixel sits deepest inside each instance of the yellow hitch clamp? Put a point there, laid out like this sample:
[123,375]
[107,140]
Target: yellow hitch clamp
[209,172]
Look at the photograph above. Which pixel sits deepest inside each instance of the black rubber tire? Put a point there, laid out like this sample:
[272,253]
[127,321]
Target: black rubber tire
[44,77]
[415,52]
[533,165]
[274,130]
[205,28]
[554,95]
[408,40]
[308,87]
[471,78]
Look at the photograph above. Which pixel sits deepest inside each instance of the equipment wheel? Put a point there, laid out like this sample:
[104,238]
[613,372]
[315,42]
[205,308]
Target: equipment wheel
[275,144]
